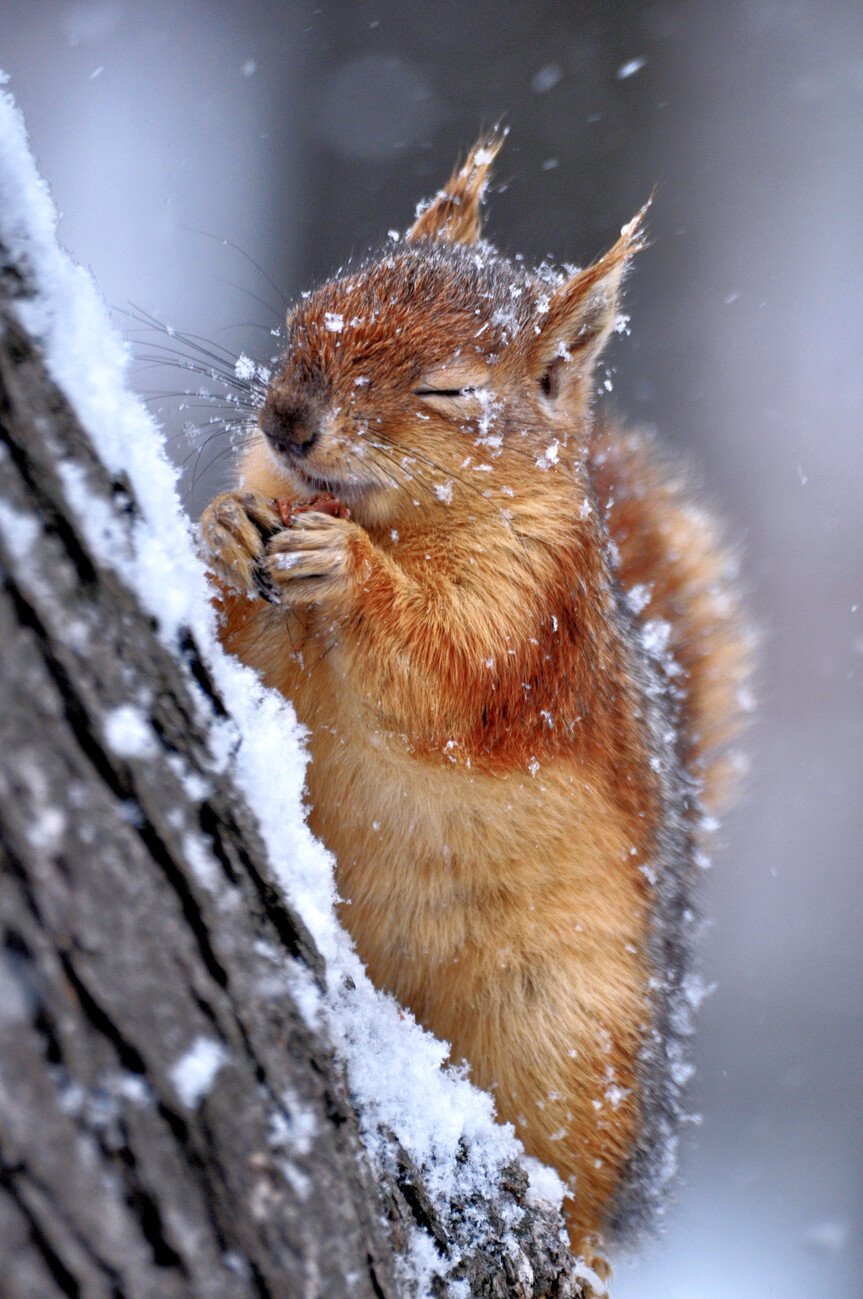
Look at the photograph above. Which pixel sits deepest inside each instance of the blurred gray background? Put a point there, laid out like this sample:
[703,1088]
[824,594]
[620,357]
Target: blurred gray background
[302,132]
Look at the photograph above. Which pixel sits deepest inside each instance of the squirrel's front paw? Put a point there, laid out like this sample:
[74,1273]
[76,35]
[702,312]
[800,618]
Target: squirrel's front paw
[235,529]
[312,560]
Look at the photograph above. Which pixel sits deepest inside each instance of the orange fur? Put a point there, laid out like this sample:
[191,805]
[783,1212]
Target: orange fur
[482,764]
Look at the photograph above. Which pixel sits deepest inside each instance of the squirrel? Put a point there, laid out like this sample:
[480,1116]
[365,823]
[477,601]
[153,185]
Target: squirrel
[517,647]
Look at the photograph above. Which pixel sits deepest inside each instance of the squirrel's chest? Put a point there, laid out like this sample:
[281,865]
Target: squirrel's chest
[433,857]
[433,853]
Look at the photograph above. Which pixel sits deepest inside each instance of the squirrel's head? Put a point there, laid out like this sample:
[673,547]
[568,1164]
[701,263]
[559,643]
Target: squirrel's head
[440,366]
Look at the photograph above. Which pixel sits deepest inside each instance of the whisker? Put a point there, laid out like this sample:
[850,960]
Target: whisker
[250,324]
[162,354]
[216,433]
[241,288]
[319,660]
[202,434]
[455,476]
[228,244]
[197,401]
[229,450]
[446,473]
[386,478]
[176,360]
[230,381]
[205,468]
[194,341]
[411,479]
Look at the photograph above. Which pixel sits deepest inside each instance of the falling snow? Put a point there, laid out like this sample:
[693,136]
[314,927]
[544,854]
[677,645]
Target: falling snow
[629,69]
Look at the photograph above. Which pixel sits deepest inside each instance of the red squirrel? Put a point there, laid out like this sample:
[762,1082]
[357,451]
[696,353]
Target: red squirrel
[516,645]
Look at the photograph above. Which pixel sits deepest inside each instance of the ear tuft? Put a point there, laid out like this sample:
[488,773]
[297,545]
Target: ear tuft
[582,312]
[455,213]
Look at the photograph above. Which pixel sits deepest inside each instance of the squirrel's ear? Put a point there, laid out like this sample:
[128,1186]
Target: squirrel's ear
[581,314]
[454,214]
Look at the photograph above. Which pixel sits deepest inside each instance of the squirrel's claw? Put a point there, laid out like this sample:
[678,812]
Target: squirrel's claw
[234,530]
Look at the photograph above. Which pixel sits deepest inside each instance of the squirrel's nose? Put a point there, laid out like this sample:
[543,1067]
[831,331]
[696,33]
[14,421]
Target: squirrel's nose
[288,426]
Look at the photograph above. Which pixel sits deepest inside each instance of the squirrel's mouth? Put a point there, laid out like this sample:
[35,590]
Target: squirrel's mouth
[346,488]
[317,483]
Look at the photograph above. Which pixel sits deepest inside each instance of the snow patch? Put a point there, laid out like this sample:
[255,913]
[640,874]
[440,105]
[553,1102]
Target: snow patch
[639,597]
[20,531]
[129,733]
[550,456]
[202,862]
[193,1075]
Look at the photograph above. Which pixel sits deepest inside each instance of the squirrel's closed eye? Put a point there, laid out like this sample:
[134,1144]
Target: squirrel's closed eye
[444,392]
[451,383]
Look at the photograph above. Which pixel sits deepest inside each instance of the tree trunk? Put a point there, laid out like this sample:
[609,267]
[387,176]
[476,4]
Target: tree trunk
[170,1123]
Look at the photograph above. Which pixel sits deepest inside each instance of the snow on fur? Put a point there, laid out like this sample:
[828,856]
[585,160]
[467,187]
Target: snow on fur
[396,1069]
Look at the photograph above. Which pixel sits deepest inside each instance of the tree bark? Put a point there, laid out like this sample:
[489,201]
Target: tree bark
[143,932]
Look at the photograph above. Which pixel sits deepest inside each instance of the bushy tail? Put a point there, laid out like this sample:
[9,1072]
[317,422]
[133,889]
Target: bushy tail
[671,552]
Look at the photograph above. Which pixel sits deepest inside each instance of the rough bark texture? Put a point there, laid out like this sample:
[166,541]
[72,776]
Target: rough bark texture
[137,916]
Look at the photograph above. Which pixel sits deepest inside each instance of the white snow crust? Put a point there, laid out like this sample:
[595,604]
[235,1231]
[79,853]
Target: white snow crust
[396,1070]
[129,733]
[195,1072]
